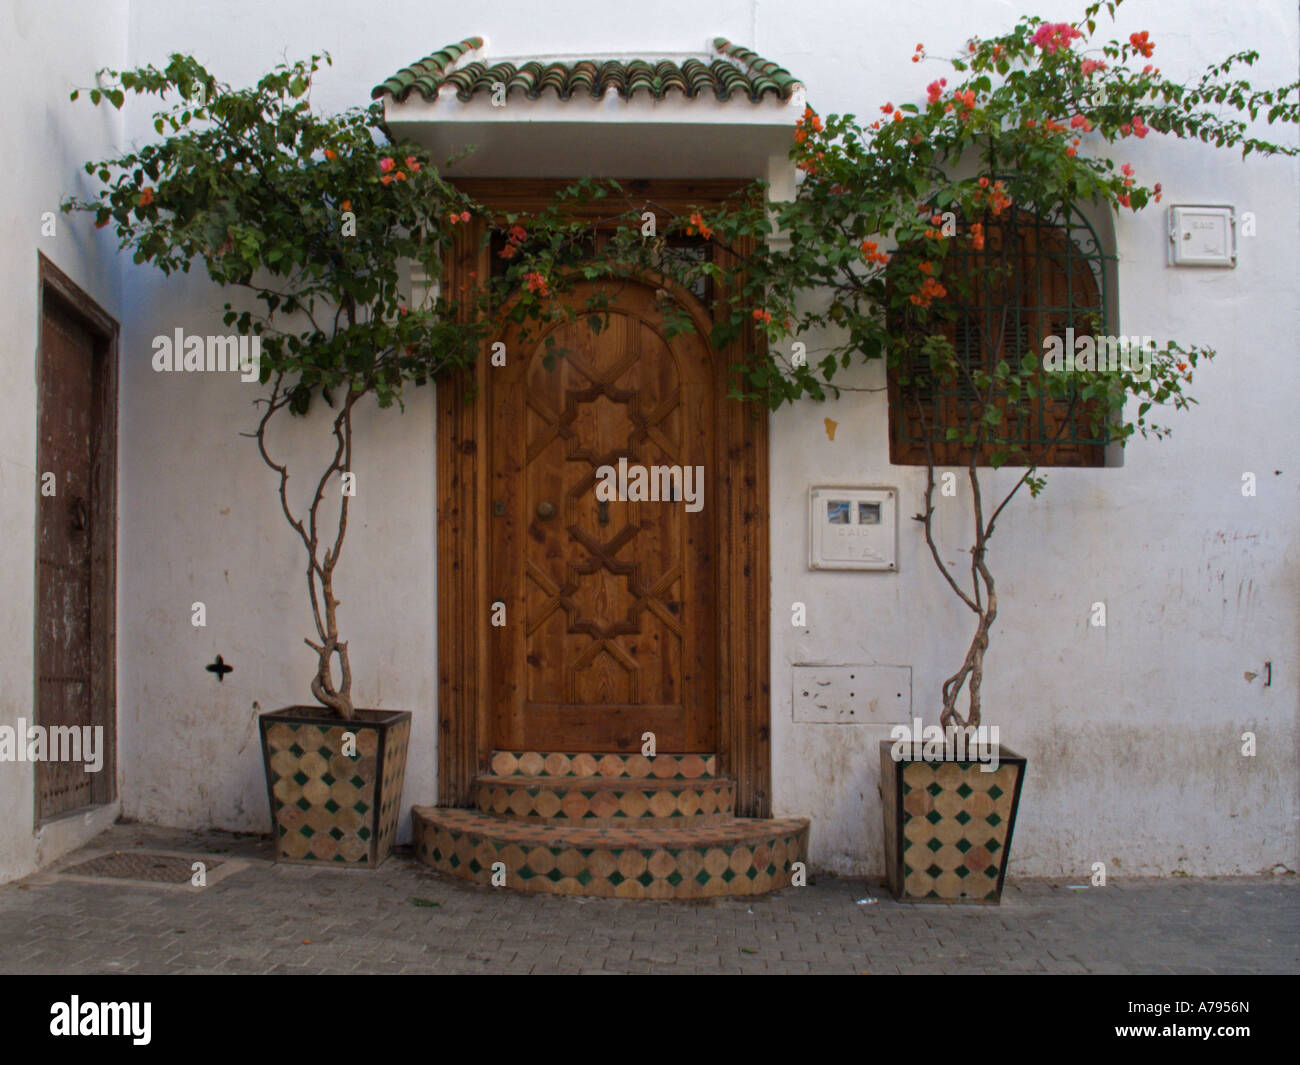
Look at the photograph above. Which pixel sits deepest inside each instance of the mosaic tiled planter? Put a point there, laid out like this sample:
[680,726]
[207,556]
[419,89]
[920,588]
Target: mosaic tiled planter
[948,826]
[327,806]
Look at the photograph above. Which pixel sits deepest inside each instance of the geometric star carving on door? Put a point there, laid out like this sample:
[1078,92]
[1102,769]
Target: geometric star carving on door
[642,429]
[644,426]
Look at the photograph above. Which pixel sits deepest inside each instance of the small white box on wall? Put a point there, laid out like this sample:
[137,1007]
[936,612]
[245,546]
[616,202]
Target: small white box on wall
[853,528]
[1202,235]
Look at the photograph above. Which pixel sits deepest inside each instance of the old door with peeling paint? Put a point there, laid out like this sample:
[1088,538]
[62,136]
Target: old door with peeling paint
[74,537]
[609,625]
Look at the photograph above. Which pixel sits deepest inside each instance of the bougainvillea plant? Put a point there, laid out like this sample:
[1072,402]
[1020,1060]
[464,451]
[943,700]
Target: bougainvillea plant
[310,216]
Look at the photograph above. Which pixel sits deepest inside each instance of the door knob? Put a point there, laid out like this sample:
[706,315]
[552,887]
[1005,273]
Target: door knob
[546,511]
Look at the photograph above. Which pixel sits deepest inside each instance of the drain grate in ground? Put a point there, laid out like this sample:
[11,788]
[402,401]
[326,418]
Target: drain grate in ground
[140,865]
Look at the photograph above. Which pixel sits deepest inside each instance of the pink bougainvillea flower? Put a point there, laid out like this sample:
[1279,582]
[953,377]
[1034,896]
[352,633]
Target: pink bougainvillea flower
[1127,169]
[386,164]
[1091,66]
[935,89]
[1051,36]
[1140,128]
[464,216]
[412,164]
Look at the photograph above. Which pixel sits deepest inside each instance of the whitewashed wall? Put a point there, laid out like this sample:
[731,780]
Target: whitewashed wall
[46,50]
[1132,731]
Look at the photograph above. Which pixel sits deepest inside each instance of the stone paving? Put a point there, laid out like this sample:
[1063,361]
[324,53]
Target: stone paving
[257,917]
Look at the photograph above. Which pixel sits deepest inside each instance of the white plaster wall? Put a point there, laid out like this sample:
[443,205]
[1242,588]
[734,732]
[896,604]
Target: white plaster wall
[46,49]
[1132,731]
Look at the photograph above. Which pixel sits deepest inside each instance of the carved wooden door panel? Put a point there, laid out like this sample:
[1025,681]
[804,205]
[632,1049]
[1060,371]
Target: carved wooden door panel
[606,623]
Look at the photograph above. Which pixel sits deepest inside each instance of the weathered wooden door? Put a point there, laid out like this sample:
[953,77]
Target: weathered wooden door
[74,597]
[606,626]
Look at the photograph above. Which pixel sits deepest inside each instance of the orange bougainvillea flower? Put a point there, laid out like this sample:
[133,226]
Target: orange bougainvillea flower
[518,234]
[387,179]
[412,164]
[697,225]
[926,268]
[761,315]
[146,196]
[930,291]
[399,176]
[331,154]
[347,205]
[984,183]
[1142,43]
[537,283]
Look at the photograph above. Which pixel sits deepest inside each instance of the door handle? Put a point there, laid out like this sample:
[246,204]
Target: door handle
[602,512]
[546,511]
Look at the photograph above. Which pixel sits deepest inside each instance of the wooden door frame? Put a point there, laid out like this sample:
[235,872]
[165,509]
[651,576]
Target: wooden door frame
[54,286]
[743,585]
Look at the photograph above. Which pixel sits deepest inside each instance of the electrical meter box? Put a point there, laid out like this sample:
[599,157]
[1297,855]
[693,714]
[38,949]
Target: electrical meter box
[1202,235]
[853,528]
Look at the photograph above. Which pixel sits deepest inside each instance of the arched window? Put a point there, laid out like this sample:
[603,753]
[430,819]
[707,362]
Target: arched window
[1034,278]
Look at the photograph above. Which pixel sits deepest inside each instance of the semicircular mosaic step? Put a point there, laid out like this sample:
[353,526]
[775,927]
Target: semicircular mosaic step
[607,802]
[619,826]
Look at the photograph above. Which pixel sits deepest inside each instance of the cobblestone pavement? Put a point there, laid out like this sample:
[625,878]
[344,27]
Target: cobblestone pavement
[256,917]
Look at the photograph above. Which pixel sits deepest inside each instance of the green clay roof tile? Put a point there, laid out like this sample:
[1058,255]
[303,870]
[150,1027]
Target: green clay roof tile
[737,72]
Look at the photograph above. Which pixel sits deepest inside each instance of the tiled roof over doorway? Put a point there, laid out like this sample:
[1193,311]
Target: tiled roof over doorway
[735,72]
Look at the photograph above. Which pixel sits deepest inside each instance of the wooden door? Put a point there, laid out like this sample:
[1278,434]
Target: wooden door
[74,567]
[609,628]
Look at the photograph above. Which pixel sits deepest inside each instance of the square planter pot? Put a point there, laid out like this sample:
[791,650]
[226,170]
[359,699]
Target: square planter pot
[948,824]
[328,806]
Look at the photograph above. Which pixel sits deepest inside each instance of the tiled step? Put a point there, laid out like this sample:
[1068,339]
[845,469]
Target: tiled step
[737,857]
[607,801]
[635,766]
